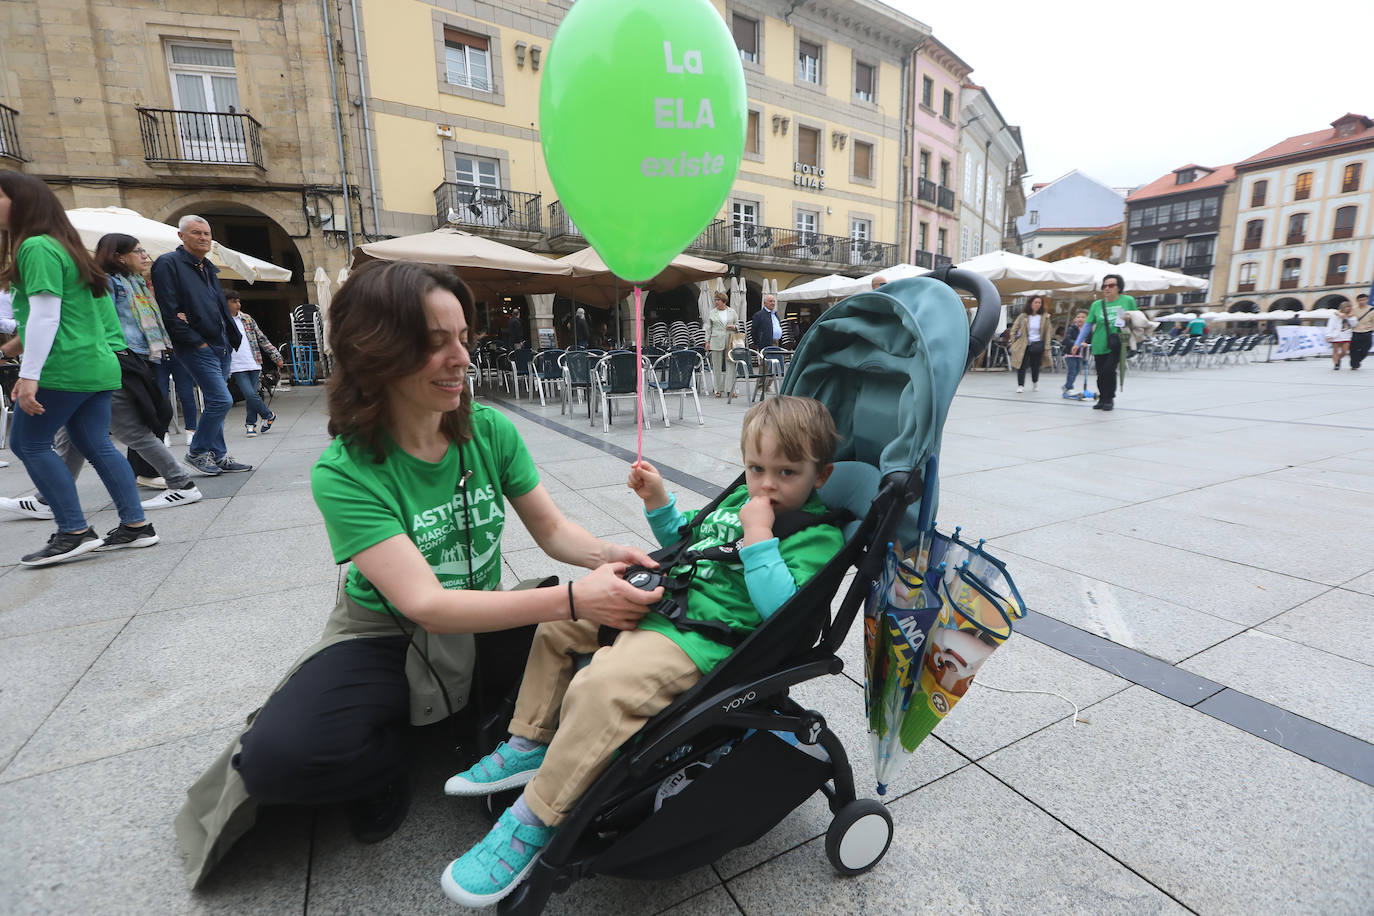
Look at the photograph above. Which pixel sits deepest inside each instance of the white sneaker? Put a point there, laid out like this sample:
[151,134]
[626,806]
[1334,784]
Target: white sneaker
[152,483]
[1035,386]
[1020,389]
[28,506]
[4,464]
[189,436]
[171,498]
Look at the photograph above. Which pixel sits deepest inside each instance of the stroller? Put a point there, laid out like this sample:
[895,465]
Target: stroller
[734,755]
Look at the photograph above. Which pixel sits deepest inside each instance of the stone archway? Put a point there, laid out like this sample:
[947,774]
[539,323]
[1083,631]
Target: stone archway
[1245,306]
[1287,303]
[251,231]
[1331,301]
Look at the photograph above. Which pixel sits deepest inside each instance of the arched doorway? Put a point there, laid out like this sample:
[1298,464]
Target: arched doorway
[1331,301]
[252,232]
[1287,303]
[1246,306]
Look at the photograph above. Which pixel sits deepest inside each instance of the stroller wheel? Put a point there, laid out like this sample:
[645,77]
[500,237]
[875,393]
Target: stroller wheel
[858,837]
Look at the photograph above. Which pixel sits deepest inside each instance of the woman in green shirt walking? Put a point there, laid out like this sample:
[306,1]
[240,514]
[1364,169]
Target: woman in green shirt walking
[70,333]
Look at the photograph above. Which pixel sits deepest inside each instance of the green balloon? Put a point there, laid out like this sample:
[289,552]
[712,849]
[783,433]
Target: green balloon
[642,115]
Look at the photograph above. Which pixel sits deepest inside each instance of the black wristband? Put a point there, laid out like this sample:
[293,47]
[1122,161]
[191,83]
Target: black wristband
[572,608]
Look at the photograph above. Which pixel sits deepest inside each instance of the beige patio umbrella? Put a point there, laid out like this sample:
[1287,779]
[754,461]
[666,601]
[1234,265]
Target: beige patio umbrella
[490,268]
[594,283]
[323,296]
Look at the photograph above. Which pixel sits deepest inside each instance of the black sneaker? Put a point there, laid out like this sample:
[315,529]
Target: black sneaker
[376,817]
[124,536]
[1097,405]
[229,465]
[62,546]
[1107,405]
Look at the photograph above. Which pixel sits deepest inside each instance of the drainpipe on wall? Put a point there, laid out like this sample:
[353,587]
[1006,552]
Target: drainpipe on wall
[903,169]
[338,121]
[367,118]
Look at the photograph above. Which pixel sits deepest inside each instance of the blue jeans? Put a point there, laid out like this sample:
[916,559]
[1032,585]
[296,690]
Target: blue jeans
[186,389]
[1073,363]
[247,383]
[209,366]
[86,414]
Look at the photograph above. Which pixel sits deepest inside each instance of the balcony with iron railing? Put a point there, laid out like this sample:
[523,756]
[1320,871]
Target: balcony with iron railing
[564,236]
[946,201]
[923,258]
[9,135]
[772,246]
[926,190]
[516,216]
[1197,261]
[943,261]
[204,137]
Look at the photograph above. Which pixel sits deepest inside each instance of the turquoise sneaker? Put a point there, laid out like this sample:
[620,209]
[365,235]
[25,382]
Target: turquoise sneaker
[504,768]
[494,867]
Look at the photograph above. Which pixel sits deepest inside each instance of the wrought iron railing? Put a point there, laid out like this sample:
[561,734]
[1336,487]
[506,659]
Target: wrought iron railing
[926,190]
[560,224]
[222,138]
[467,205]
[714,239]
[924,259]
[1197,260]
[943,261]
[946,198]
[9,134]
[801,245]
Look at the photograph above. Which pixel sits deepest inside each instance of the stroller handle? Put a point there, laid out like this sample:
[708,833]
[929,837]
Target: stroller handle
[984,323]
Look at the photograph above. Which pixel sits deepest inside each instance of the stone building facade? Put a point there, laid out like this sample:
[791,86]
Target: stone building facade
[221,109]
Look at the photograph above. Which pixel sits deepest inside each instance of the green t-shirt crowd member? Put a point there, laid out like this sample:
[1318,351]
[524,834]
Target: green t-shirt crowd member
[82,357]
[364,503]
[1101,328]
[718,591]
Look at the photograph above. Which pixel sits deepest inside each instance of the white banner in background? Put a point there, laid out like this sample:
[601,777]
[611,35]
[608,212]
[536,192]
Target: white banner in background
[1296,341]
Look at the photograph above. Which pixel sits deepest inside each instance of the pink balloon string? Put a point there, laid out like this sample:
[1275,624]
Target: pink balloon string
[639,377]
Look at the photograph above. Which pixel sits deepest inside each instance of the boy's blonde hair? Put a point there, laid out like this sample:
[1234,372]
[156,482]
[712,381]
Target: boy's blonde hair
[803,428]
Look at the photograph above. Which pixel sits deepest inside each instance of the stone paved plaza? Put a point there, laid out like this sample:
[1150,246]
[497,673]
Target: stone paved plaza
[1200,565]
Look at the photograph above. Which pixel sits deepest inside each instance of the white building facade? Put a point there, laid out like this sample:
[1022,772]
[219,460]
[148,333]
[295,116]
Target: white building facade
[991,161]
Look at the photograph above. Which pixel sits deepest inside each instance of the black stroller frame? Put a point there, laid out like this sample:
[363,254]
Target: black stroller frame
[615,830]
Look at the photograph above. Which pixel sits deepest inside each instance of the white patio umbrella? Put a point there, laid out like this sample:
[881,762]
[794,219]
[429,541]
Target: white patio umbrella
[92,223]
[1140,279]
[822,289]
[323,296]
[1014,274]
[1177,316]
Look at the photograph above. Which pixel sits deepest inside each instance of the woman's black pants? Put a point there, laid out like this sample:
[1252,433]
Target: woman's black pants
[1034,353]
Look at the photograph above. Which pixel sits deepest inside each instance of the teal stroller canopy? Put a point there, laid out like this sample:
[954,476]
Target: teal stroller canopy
[886,363]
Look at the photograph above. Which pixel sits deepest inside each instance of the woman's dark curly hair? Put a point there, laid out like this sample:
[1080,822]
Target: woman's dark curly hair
[379,333]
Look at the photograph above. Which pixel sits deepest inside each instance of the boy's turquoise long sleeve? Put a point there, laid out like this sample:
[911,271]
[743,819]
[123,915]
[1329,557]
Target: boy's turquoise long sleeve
[770,581]
[666,522]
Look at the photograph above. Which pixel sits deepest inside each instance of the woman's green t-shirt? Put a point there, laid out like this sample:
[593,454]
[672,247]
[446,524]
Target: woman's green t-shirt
[364,503]
[88,333]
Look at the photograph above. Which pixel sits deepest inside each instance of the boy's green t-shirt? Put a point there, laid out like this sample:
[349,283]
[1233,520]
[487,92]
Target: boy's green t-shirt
[719,593]
[1122,303]
[88,333]
[364,503]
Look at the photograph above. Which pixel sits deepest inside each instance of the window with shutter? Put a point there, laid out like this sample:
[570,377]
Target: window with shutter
[808,145]
[863,160]
[746,33]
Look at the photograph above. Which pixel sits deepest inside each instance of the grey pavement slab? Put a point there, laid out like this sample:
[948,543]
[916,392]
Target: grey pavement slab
[1338,622]
[166,676]
[1323,687]
[1218,547]
[1223,821]
[1232,591]
[97,838]
[1127,617]
[964,844]
[39,671]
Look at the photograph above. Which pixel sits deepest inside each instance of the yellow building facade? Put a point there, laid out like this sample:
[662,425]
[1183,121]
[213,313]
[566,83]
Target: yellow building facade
[449,93]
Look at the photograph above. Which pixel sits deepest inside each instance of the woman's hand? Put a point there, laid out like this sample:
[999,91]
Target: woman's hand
[624,553]
[25,394]
[647,483]
[605,598]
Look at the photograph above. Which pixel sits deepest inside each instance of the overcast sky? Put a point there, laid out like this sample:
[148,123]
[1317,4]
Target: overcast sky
[1129,91]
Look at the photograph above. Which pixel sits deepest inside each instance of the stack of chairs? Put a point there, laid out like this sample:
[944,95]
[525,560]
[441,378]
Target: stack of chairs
[658,335]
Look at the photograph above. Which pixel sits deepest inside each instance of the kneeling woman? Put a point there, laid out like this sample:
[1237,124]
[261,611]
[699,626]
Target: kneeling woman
[413,491]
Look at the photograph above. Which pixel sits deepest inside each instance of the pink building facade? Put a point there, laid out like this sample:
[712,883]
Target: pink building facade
[939,74]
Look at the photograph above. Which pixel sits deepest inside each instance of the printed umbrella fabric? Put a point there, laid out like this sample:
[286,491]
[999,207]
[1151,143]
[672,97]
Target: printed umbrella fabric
[932,620]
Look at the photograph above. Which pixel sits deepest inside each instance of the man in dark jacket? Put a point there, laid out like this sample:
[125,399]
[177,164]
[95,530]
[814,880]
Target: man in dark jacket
[194,310]
[765,327]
